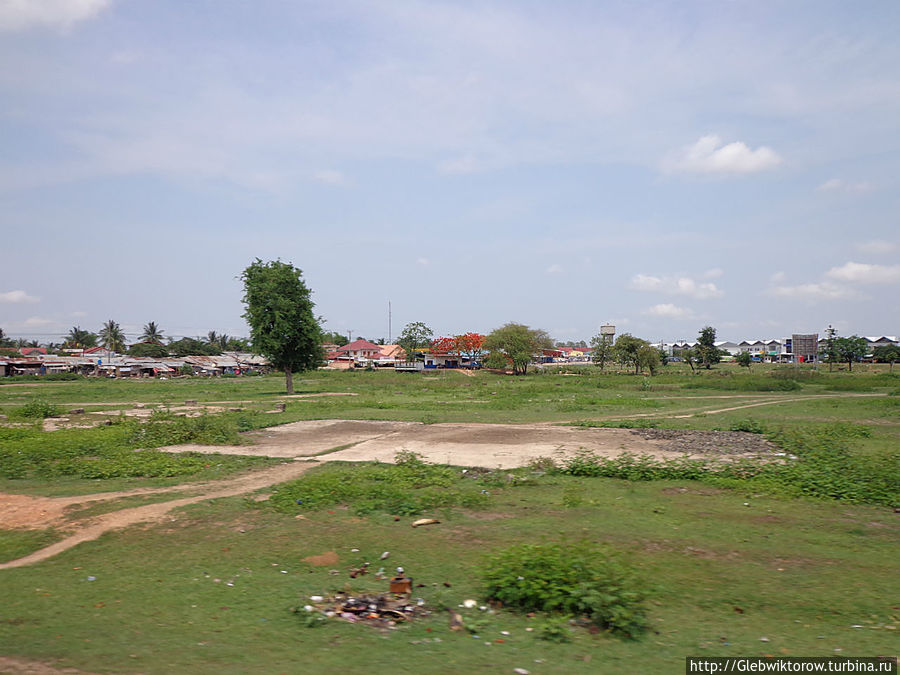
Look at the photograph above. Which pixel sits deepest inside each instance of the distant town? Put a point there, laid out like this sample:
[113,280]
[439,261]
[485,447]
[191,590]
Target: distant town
[219,355]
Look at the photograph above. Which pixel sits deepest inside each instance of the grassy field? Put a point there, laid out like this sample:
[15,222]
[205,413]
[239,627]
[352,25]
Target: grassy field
[734,567]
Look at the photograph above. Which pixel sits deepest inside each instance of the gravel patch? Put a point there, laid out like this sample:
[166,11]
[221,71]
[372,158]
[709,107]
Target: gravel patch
[709,442]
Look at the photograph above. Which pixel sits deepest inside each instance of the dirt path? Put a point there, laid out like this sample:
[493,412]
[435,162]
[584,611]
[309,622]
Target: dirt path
[154,512]
[200,404]
[690,412]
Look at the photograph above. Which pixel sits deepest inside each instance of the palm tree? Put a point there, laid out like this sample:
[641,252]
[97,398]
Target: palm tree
[112,337]
[78,337]
[217,339]
[4,339]
[152,333]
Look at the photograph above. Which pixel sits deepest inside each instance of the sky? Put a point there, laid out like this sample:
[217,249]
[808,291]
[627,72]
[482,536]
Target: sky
[661,166]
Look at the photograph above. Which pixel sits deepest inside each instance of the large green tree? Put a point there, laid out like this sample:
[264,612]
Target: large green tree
[515,344]
[4,339]
[648,358]
[193,347]
[626,350]
[152,349]
[828,352]
[887,354]
[415,336]
[78,337]
[850,349]
[706,347]
[335,338]
[602,346]
[279,310]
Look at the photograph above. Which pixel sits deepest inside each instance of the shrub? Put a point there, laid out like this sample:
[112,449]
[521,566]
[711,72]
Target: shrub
[823,466]
[744,383]
[751,426]
[580,580]
[408,487]
[38,409]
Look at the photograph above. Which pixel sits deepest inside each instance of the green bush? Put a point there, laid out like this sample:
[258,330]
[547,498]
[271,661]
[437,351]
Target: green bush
[579,580]
[121,450]
[409,487]
[743,382]
[38,409]
[750,426]
[49,377]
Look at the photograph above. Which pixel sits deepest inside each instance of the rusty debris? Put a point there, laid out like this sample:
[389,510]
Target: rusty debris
[378,610]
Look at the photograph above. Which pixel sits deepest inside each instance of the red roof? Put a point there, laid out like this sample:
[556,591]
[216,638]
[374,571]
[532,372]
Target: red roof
[94,350]
[360,346]
[25,351]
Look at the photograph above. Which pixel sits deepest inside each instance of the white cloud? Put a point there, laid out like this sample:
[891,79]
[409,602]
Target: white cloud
[708,155]
[864,273]
[423,262]
[713,273]
[329,177]
[777,278]
[38,322]
[17,297]
[554,269]
[461,165]
[838,185]
[877,247]
[16,15]
[669,311]
[675,286]
[821,291]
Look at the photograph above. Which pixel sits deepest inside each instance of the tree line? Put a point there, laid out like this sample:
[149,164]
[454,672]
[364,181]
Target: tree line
[152,342]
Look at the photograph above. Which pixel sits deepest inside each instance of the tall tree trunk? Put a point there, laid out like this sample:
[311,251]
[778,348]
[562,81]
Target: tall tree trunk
[289,380]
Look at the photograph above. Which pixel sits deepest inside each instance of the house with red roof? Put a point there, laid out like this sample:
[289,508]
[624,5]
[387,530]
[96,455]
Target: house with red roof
[32,351]
[358,351]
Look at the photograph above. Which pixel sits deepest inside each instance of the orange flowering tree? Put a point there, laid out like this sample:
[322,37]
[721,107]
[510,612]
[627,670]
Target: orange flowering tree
[469,345]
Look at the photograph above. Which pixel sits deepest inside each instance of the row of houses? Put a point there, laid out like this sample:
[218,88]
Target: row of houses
[798,348]
[111,364]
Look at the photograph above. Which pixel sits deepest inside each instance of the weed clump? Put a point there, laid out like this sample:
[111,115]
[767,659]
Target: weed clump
[581,581]
[729,382]
[38,409]
[407,488]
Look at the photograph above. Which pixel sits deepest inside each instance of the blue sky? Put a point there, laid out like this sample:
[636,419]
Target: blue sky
[662,166]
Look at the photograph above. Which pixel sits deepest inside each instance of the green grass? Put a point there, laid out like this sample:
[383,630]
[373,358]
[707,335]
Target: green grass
[720,575]
[16,544]
[123,450]
[409,487]
[726,559]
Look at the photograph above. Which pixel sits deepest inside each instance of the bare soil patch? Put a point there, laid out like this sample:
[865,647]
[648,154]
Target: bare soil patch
[329,559]
[472,445]
[21,667]
[485,445]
